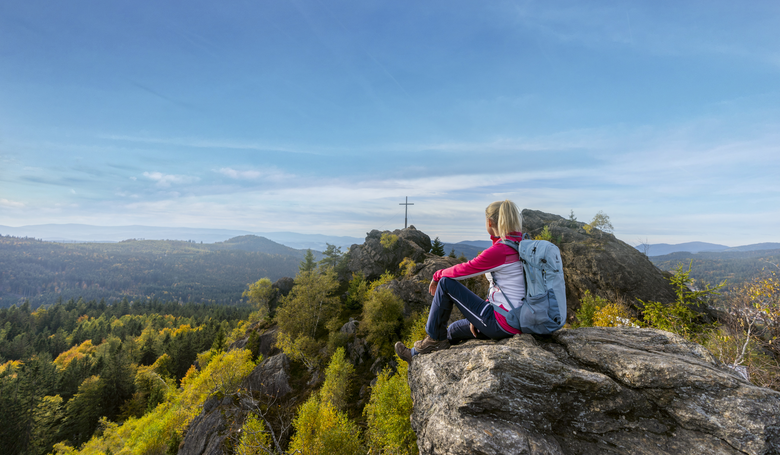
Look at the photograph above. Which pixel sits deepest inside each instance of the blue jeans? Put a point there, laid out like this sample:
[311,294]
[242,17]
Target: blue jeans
[450,292]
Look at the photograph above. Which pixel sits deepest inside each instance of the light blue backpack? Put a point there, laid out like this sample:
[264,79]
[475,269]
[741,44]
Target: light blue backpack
[543,310]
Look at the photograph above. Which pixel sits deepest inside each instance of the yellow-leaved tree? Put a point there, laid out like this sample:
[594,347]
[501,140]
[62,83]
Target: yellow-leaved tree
[382,320]
[321,426]
[338,380]
[161,430]
[260,294]
[303,314]
[390,406]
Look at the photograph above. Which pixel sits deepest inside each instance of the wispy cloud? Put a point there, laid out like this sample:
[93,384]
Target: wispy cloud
[11,204]
[166,180]
[270,174]
[212,144]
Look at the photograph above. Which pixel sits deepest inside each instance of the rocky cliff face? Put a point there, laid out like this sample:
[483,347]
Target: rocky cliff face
[588,391]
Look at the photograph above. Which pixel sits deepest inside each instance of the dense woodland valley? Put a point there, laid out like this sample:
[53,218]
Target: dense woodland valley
[47,272]
[185,328]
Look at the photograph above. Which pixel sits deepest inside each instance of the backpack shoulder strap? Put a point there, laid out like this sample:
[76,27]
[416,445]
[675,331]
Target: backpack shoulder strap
[512,243]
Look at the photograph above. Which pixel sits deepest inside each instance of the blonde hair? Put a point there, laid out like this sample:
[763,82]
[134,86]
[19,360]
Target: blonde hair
[505,217]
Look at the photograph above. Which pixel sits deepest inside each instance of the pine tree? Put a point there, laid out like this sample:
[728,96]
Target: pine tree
[437,247]
[308,264]
[332,257]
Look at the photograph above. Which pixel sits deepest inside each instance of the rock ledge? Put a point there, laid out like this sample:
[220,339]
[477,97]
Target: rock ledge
[588,391]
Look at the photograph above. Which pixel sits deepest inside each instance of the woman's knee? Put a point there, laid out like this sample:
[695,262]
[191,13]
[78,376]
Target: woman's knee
[446,282]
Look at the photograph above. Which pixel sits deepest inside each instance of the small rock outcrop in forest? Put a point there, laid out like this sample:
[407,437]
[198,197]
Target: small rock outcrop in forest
[221,418]
[373,259]
[588,391]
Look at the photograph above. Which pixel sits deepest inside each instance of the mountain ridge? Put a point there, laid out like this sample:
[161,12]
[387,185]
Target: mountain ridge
[78,233]
[661,249]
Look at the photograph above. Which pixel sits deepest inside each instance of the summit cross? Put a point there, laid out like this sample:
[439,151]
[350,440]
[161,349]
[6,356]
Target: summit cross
[406,209]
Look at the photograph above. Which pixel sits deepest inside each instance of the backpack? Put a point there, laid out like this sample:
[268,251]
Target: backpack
[543,310]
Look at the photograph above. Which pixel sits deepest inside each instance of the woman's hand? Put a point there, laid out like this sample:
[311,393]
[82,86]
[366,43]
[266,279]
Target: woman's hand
[432,287]
[473,330]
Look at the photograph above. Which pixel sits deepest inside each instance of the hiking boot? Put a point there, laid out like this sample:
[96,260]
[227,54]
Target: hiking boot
[403,352]
[429,345]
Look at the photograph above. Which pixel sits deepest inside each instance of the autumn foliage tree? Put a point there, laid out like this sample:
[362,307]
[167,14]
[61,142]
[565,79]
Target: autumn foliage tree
[304,312]
[321,426]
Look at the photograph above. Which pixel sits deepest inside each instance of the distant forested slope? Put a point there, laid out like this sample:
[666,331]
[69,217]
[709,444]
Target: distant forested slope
[44,272]
[714,267]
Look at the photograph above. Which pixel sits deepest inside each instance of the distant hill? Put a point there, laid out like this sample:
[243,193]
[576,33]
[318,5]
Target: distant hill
[256,244]
[87,233]
[757,247]
[469,248]
[713,267]
[483,244]
[660,249]
[188,271]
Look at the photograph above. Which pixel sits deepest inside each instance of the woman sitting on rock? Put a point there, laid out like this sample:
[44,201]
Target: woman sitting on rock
[501,264]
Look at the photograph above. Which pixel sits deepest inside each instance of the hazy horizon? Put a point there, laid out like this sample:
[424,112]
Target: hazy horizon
[288,238]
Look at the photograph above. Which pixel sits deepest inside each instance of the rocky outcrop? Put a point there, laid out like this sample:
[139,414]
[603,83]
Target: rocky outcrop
[220,419]
[424,272]
[414,293]
[266,341]
[281,288]
[373,259]
[600,263]
[208,432]
[271,377]
[588,391]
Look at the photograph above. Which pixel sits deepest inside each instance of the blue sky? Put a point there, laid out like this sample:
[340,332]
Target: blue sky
[320,117]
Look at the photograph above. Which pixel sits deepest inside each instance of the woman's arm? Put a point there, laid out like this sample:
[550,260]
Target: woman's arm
[488,260]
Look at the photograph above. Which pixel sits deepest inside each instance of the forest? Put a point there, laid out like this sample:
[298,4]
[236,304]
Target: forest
[66,366]
[130,376]
[46,272]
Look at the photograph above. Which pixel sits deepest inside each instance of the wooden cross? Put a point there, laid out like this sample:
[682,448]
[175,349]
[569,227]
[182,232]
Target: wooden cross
[406,209]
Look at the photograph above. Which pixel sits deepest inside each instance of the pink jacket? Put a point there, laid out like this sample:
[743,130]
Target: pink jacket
[504,263]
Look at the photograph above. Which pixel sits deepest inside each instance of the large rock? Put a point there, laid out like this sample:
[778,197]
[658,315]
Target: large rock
[600,263]
[414,294]
[281,288]
[588,391]
[208,432]
[373,259]
[266,340]
[271,377]
[432,263]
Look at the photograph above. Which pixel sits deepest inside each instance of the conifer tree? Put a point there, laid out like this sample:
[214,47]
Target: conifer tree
[332,257]
[437,247]
[308,264]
